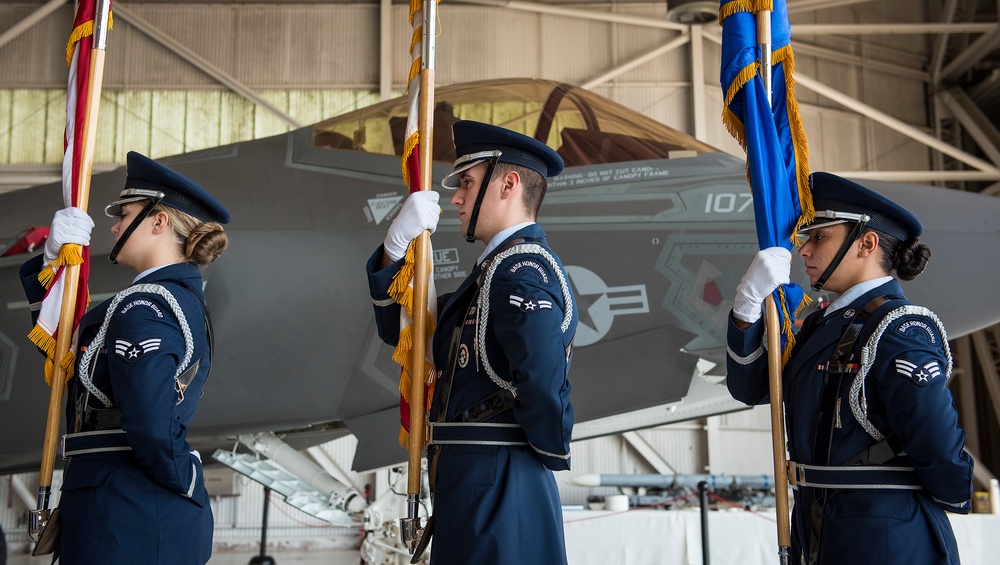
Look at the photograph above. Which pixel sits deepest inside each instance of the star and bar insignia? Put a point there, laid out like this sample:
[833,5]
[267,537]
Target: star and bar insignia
[920,374]
[529,305]
[134,351]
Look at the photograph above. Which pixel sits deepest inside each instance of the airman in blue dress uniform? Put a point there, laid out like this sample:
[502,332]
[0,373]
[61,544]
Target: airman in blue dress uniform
[876,452]
[501,417]
[133,489]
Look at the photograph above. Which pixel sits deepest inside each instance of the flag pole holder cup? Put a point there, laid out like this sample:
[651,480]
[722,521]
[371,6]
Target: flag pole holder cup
[43,530]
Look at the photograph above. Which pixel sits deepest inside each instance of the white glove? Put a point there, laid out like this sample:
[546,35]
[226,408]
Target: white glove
[70,225]
[420,212]
[770,268]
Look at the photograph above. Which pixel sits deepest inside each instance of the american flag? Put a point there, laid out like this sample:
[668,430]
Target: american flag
[402,287]
[79,51]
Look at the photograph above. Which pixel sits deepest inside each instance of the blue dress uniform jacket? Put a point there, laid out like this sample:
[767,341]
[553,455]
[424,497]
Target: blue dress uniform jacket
[500,504]
[906,394]
[147,504]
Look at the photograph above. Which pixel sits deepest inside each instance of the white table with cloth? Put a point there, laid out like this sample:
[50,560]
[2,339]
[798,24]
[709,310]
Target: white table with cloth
[736,537]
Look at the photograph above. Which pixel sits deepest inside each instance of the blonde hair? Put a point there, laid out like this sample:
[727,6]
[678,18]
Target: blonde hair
[200,242]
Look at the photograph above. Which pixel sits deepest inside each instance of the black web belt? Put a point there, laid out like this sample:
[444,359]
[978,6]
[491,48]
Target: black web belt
[94,442]
[475,433]
[876,477]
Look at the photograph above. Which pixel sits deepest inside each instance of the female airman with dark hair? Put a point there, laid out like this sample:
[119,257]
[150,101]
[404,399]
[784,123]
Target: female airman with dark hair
[873,437]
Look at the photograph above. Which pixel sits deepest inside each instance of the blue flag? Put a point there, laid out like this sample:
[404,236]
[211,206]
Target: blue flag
[770,132]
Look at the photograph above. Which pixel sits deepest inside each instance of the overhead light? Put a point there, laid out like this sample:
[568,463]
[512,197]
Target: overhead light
[692,12]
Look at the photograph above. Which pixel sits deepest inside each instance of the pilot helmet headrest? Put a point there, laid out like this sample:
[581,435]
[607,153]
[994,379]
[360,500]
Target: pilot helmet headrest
[476,142]
[147,179]
[838,200]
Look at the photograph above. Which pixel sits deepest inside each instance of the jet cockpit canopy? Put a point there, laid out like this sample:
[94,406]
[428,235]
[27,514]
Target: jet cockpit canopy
[585,128]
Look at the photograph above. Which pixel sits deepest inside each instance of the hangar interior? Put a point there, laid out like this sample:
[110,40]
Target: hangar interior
[890,90]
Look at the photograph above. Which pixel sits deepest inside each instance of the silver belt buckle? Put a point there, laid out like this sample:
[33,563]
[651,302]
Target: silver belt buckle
[796,474]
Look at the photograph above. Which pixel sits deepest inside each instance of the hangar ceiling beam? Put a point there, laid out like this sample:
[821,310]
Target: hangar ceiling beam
[636,61]
[23,492]
[385,50]
[649,453]
[698,84]
[941,41]
[921,177]
[811,50]
[897,125]
[201,63]
[972,55]
[812,5]
[25,24]
[974,121]
[609,17]
[981,473]
[985,343]
[963,377]
[892,29]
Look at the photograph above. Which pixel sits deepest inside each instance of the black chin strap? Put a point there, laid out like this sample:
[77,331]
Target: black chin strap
[113,257]
[470,235]
[848,242]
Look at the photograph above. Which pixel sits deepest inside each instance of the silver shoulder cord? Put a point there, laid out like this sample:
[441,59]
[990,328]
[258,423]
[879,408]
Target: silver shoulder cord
[484,303]
[87,361]
[858,400]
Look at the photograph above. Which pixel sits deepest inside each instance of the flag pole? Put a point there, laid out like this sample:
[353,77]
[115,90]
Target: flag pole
[412,531]
[67,313]
[772,324]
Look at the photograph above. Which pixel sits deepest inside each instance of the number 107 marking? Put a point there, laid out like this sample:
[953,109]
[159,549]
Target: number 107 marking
[726,202]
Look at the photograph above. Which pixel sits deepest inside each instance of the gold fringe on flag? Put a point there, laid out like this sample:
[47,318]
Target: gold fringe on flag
[401,290]
[786,58]
[43,341]
[732,123]
[416,6]
[737,6]
[786,326]
[409,144]
[86,29]
[69,254]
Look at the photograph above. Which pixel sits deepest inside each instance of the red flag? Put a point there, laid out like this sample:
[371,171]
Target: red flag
[79,50]
[401,289]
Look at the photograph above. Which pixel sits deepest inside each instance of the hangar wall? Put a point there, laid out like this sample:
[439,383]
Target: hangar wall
[313,61]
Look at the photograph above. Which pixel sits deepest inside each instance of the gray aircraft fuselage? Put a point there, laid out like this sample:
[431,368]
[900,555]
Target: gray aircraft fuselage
[654,248]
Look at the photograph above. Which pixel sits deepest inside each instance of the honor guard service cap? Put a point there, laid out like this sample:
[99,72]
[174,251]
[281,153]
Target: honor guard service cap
[147,179]
[476,142]
[839,200]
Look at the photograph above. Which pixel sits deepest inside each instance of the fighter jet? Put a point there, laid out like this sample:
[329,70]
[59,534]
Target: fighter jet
[655,228]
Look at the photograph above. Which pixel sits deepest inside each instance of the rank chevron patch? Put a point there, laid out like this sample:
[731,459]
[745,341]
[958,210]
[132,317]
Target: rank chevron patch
[133,351]
[529,304]
[922,374]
